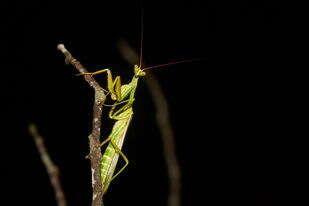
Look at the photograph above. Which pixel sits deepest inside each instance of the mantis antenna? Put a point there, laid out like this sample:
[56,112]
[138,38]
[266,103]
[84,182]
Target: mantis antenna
[141,49]
[171,63]
[142,36]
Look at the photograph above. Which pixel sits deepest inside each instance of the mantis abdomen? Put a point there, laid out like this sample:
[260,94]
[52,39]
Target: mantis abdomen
[111,154]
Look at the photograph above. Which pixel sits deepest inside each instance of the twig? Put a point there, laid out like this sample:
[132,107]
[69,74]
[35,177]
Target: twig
[51,168]
[164,125]
[168,138]
[95,154]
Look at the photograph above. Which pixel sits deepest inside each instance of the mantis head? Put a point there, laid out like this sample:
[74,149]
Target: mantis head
[138,71]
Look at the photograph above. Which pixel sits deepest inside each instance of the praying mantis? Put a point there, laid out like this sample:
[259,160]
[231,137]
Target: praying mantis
[122,95]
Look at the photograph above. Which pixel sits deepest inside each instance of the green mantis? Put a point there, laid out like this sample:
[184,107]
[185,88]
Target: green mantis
[122,94]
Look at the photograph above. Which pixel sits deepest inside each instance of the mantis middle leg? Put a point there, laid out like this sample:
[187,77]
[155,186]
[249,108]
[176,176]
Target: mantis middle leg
[114,86]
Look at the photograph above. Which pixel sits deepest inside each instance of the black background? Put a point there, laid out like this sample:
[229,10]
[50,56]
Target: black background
[225,110]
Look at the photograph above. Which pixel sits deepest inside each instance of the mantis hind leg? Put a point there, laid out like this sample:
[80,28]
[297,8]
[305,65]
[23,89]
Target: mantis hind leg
[118,150]
[105,141]
[101,145]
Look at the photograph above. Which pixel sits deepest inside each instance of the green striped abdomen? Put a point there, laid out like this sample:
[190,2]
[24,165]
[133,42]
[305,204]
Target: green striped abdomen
[110,156]
[106,163]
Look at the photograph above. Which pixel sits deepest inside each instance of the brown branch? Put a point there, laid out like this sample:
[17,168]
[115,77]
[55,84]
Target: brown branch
[164,125]
[51,168]
[95,154]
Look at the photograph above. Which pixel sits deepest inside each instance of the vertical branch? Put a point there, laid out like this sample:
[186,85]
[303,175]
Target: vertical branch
[168,138]
[164,125]
[95,154]
[51,168]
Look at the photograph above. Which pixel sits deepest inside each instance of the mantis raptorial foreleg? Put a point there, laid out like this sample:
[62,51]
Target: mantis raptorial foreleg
[114,87]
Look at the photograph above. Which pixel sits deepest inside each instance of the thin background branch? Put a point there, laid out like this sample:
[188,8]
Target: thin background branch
[164,125]
[95,154]
[51,168]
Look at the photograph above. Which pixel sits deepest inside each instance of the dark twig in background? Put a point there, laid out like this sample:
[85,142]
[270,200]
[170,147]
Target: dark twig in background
[168,138]
[95,154]
[164,125]
[51,168]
